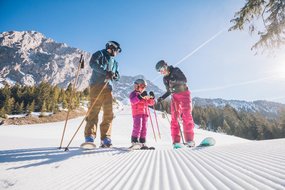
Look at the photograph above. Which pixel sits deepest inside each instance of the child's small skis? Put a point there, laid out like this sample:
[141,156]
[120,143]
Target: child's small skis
[140,146]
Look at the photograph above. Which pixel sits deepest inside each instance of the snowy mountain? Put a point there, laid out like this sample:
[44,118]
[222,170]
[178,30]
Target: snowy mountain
[29,57]
[269,109]
[30,159]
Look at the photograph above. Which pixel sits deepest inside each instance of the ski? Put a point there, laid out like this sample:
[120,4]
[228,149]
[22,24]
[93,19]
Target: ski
[139,146]
[147,148]
[206,142]
[87,146]
[135,146]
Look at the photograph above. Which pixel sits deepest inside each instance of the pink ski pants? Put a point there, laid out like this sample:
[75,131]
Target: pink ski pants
[181,108]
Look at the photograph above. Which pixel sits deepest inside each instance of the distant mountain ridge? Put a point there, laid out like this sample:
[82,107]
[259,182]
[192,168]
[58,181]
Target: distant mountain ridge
[266,108]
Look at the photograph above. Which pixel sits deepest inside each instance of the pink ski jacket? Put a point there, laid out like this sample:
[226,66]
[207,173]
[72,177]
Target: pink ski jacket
[139,106]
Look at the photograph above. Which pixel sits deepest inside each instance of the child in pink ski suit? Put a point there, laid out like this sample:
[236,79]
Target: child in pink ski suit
[140,111]
[181,105]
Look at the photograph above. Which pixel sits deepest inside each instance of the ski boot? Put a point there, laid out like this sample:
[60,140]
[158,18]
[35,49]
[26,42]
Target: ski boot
[190,144]
[135,146]
[106,143]
[177,145]
[89,139]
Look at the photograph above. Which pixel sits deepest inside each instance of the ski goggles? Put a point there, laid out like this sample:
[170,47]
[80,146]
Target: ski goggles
[162,69]
[141,85]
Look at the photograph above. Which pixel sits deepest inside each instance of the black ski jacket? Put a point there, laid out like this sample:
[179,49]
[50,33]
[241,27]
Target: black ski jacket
[174,82]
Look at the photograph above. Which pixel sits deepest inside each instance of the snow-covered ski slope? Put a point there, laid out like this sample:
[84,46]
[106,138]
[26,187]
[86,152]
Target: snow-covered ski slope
[29,159]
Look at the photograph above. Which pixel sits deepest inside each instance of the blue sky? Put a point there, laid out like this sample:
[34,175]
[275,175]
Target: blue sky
[149,31]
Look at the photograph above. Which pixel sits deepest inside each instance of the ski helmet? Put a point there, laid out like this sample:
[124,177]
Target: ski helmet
[160,64]
[140,82]
[113,45]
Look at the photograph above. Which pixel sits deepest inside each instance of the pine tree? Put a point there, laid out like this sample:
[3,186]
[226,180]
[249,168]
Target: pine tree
[44,107]
[19,107]
[68,89]
[43,95]
[62,96]
[64,104]
[9,105]
[31,107]
[56,94]
[272,14]
[2,112]
[281,125]
[203,124]
[226,128]
[5,94]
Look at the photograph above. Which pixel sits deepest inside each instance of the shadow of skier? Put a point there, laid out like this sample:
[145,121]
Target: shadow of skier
[49,155]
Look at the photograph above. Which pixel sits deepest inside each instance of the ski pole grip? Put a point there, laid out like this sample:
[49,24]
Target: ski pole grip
[81,61]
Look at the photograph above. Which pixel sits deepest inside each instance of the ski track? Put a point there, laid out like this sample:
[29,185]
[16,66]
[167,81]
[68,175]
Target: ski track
[220,167]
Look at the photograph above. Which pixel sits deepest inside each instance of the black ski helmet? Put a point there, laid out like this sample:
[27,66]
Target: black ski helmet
[113,45]
[140,81]
[160,64]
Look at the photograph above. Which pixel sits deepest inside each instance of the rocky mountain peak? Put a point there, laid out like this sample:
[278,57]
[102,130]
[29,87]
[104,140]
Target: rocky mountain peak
[29,57]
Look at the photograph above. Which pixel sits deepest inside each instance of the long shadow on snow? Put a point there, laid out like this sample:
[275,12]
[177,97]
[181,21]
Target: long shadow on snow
[49,155]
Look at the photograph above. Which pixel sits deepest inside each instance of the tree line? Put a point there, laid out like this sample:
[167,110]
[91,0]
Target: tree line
[228,120]
[42,98]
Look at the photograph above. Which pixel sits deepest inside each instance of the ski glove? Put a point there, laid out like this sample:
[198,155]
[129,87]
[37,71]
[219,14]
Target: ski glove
[109,75]
[116,76]
[142,95]
[151,94]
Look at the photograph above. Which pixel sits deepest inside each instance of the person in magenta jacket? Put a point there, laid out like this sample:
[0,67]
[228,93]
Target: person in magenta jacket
[140,101]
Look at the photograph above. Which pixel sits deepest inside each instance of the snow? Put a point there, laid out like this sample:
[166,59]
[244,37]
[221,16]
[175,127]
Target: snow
[45,114]
[10,81]
[15,116]
[30,160]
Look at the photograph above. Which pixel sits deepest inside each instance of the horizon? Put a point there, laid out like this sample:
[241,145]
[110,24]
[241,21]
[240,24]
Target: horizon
[192,35]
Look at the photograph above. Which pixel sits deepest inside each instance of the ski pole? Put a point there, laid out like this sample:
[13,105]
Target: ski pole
[86,115]
[151,124]
[80,66]
[165,112]
[155,116]
[178,118]
[177,121]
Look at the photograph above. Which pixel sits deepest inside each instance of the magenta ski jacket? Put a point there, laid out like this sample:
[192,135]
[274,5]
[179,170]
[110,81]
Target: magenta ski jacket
[139,106]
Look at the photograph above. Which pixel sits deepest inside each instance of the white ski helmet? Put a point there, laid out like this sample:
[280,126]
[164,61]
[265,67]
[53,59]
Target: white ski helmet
[113,45]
